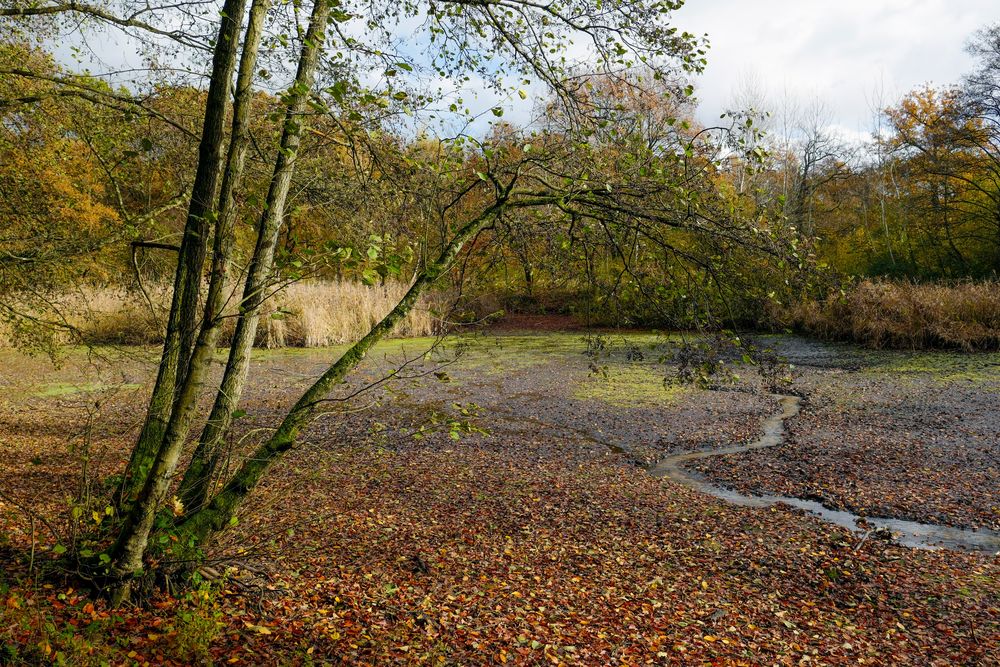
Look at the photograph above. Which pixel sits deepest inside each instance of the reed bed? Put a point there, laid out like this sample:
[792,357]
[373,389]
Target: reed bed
[903,315]
[305,314]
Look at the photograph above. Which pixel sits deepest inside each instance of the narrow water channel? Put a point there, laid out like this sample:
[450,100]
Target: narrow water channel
[907,533]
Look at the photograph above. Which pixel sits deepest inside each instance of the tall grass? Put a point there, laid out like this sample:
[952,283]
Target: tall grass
[306,314]
[318,314]
[902,315]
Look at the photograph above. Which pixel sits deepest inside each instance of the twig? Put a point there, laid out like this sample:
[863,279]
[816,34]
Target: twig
[863,540]
[31,560]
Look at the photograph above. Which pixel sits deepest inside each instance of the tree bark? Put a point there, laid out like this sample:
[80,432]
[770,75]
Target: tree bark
[197,478]
[175,397]
[191,256]
[133,540]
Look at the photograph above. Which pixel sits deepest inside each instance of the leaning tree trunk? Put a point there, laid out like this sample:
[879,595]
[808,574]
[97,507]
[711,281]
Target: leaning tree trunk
[218,513]
[225,228]
[133,540]
[191,257]
[195,485]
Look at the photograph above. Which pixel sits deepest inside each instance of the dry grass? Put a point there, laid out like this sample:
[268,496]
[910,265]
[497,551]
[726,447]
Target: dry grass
[318,314]
[308,314]
[901,315]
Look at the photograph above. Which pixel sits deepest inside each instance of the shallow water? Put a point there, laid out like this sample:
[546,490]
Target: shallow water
[907,533]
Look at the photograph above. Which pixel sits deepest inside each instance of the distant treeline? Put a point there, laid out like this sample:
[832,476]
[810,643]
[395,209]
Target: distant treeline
[94,198]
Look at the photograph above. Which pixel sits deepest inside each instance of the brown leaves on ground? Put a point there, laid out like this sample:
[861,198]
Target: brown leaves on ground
[536,546]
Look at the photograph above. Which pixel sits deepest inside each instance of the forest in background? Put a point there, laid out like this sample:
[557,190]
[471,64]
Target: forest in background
[875,241]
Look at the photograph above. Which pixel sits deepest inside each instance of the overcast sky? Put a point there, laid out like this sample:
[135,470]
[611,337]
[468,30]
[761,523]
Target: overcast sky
[839,51]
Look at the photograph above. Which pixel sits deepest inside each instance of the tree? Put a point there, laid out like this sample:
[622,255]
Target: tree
[651,200]
[981,98]
[69,207]
[942,156]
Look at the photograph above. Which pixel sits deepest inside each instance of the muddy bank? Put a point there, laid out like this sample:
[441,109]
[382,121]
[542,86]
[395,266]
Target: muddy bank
[912,437]
[907,533]
[908,436]
[910,440]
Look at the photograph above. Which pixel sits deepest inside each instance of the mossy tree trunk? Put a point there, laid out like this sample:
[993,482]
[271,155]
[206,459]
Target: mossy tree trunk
[127,554]
[191,256]
[197,478]
[133,538]
[218,513]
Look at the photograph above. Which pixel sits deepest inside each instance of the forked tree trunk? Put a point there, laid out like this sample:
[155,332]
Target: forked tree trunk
[225,235]
[198,476]
[133,540]
[218,513]
[191,257]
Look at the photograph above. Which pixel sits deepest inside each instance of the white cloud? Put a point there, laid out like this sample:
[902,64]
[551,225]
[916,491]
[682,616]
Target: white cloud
[836,51]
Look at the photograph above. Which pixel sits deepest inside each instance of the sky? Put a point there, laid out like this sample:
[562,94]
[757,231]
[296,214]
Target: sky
[837,51]
[845,55]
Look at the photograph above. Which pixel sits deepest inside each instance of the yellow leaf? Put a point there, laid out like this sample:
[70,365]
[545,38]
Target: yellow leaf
[260,629]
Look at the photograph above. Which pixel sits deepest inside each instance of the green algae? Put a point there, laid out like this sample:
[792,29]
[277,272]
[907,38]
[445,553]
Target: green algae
[940,367]
[57,389]
[629,386]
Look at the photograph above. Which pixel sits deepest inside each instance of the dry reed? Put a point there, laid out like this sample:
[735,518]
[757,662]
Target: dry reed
[902,315]
[306,314]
